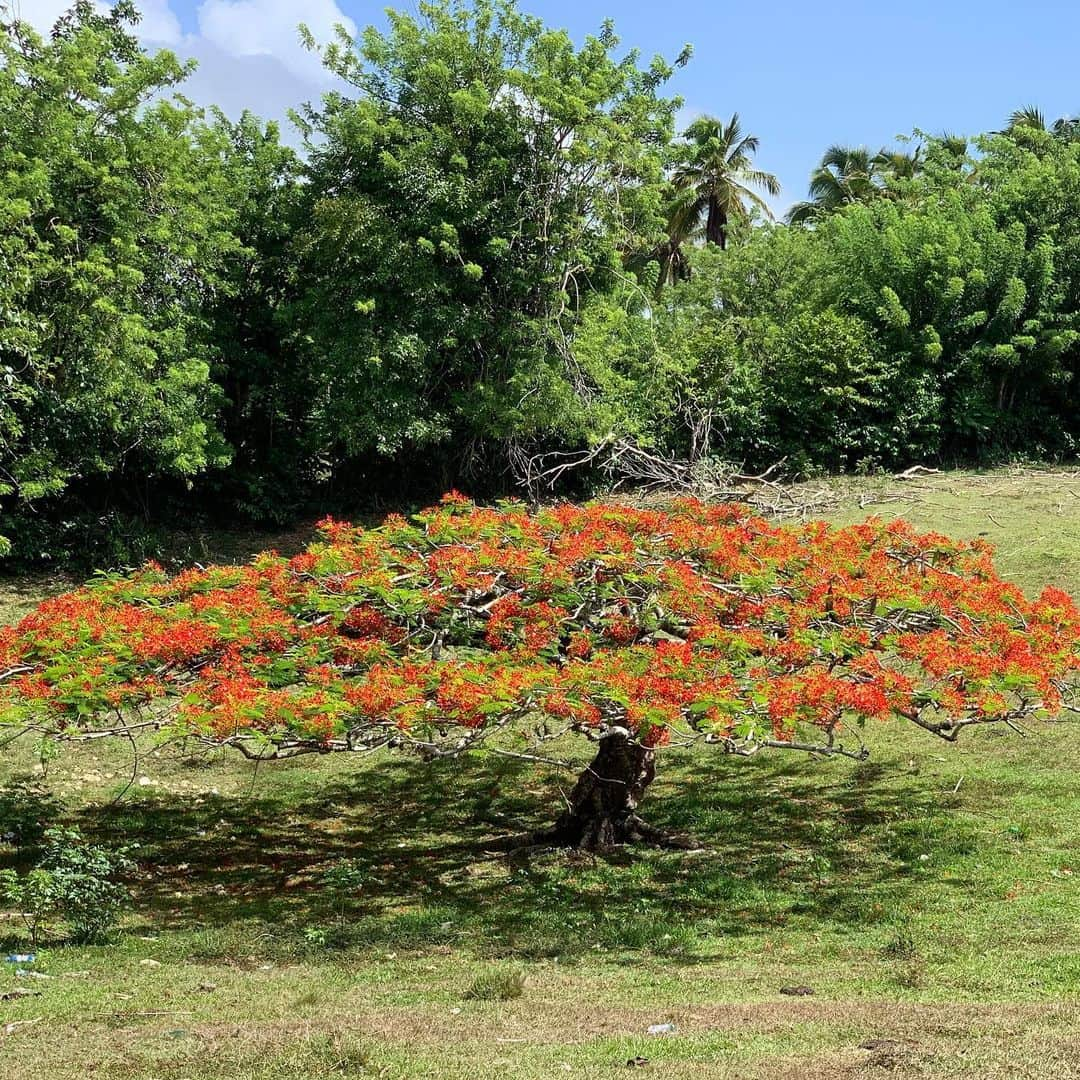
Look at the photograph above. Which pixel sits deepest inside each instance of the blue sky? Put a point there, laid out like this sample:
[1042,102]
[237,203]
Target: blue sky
[801,75]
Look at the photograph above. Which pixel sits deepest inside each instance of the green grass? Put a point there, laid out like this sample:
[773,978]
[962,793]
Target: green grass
[1030,515]
[930,897]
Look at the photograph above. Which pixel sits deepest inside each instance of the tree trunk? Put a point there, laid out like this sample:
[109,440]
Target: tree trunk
[716,225]
[664,275]
[602,810]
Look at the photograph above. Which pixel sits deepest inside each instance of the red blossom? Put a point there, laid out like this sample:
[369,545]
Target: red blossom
[693,620]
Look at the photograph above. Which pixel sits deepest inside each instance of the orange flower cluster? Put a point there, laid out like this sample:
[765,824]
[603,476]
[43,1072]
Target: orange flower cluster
[691,622]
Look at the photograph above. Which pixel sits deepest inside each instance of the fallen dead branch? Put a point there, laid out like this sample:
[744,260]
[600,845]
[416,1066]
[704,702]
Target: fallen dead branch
[630,466]
[915,471]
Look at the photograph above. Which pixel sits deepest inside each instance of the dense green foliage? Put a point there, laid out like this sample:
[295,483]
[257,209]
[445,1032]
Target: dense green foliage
[111,239]
[493,244]
[933,319]
[74,882]
[482,177]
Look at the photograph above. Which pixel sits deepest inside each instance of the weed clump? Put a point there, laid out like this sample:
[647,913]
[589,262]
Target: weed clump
[497,984]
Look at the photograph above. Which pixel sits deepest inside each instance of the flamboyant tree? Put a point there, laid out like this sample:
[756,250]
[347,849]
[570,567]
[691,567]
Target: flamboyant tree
[468,627]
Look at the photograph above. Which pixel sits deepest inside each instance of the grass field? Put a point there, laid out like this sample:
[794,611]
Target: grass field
[930,898]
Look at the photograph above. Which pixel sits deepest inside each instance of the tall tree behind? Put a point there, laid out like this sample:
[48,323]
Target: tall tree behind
[113,227]
[845,175]
[715,180]
[265,390]
[1028,124]
[481,178]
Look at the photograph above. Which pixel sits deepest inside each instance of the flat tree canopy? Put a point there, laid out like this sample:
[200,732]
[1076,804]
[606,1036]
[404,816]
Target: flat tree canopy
[470,627]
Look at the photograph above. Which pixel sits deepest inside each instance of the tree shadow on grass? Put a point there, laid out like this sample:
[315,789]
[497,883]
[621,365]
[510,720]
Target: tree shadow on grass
[785,840]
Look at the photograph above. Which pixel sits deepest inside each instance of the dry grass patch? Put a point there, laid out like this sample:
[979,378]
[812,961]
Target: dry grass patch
[782,1039]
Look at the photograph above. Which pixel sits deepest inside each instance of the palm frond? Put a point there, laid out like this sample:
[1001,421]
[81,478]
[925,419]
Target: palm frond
[826,187]
[955,144]
[803,213]
[733,131]
[754,197]
[1030,116]
[762,179]
[685,215]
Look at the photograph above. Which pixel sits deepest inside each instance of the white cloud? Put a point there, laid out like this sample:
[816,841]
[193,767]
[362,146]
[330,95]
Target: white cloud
[159,23]
[40,14]
[240,28]
[270,28]
[261,84]
[248,51]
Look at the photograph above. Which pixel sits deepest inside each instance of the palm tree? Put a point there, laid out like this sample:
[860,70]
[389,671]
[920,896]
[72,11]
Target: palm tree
[847,174]
[715,181]
[1029,118]
[673,263]
[1067,128]
[899,164]
[956,146]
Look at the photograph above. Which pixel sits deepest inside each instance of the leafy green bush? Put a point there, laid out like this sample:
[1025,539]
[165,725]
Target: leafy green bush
[34,895]
[74,882]
[342,882]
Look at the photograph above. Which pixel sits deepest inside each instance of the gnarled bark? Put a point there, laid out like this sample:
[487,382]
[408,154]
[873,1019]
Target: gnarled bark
[602,807]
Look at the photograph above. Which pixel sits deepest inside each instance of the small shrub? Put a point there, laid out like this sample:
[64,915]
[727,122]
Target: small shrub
[75,882]
[34,895]
[342,882]
[91,898]
[646,932]
[315,936]
[235,941]
[497,984]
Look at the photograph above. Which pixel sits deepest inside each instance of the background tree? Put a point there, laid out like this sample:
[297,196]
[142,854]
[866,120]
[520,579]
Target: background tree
[937,324]
[266,392]
[196,324]
[713,184]
[114,227]
[1028,127]
[898,165]
[846,175]
[482,177]
[1028,116]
